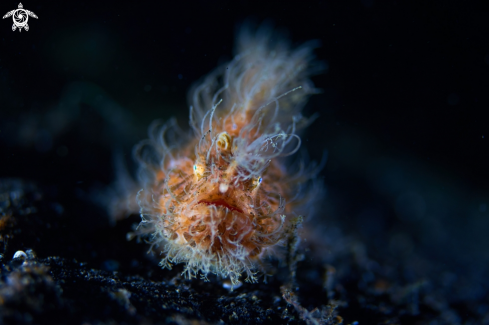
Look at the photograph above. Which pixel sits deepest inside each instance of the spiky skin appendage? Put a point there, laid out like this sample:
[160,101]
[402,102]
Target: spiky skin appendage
[221,198]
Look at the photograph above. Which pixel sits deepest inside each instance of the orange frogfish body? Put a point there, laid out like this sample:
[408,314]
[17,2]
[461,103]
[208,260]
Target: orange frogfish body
[221,197]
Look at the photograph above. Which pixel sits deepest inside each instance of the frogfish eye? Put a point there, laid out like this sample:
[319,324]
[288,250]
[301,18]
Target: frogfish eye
[199,170]
[256,182]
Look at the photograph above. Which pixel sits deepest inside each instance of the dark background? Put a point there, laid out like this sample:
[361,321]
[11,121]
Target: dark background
[413,76]
[402,114]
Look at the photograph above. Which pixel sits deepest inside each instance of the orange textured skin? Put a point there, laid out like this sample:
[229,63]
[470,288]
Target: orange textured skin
[221,198]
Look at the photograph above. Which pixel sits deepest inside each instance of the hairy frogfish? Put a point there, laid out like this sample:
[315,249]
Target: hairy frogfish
[222,196]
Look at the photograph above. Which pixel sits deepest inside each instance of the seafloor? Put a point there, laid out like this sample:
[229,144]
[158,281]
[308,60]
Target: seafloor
[77,267]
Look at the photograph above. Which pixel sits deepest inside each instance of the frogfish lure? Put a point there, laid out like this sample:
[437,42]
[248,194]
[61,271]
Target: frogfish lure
[222,196]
